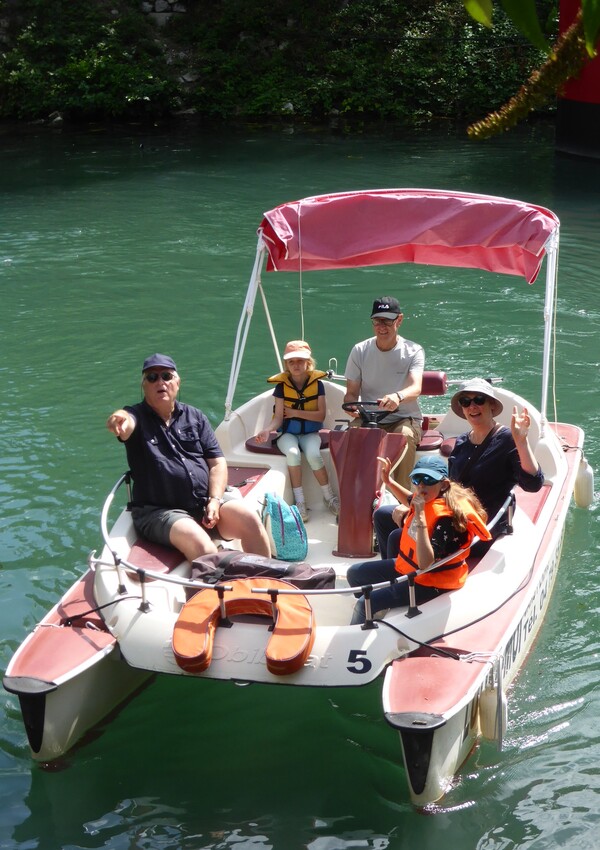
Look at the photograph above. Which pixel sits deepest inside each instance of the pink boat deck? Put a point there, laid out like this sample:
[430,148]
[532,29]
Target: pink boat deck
[68,637]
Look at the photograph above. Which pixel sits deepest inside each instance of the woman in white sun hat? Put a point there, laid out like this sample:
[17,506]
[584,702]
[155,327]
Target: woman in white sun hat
[490,458]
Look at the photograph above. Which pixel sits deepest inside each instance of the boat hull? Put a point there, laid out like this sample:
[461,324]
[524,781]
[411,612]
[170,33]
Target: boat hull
[69,674]
[434,699]
[57,716]
[100,657]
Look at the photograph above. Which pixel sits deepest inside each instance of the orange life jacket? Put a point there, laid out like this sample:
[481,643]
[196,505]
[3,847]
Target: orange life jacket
[454,573]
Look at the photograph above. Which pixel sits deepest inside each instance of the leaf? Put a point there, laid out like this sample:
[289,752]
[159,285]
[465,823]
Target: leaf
[480,10]
[591,24]
[524,16]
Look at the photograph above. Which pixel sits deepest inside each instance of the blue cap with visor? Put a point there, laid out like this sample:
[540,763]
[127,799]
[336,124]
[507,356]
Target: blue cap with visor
[432,466]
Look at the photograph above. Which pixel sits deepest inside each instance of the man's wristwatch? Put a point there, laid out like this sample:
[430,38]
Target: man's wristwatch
[216,499]
[400,397]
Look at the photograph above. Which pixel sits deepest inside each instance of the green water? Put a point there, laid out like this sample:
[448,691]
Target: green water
[117,245]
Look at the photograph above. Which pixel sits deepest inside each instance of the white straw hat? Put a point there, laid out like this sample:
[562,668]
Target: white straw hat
[476,385]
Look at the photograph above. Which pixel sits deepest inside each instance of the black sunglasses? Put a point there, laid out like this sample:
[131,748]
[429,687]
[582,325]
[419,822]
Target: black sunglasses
[427,480]
[152,377]
[465,401]
[387,322]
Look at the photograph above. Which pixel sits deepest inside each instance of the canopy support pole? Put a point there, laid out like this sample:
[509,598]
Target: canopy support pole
[244,326]
[549,307]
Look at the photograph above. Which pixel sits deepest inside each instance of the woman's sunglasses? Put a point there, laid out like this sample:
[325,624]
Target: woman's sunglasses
[152,377]
[427,480]
[466,401]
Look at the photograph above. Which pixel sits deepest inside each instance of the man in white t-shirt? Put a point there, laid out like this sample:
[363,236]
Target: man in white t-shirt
[389,369]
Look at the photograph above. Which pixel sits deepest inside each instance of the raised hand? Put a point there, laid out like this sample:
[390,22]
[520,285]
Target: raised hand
[386,468]
[520,424]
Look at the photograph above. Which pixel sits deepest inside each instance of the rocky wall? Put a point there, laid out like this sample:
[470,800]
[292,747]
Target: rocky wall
[162,10]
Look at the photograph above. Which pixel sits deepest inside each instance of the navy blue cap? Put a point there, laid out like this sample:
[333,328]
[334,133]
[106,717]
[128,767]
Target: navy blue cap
[159,360]
[432,465]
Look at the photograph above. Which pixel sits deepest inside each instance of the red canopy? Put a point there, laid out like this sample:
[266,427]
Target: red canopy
[430,227]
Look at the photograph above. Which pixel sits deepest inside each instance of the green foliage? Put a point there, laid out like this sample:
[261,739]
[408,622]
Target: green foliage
[591,24]
[481,11]
[366,59]
[566,61]
[522,13]
[400,60]
[525,14]
[84,59]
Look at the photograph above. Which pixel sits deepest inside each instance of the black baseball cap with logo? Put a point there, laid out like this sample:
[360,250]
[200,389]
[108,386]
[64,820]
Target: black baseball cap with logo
[385,307]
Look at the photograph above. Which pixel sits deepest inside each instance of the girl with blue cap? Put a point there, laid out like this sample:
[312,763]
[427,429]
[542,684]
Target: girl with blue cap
[442,518]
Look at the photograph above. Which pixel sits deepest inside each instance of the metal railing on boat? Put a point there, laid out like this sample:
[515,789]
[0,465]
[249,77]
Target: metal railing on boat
[144,574]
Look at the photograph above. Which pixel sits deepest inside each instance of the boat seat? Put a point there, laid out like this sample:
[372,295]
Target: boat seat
[154,557]
[271,448]
[291,639]
[447,446]
[434,383]
[244,477]
[431,440]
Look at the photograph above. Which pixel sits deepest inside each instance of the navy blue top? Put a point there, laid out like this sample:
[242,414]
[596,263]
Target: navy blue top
[169,463]
[494,473]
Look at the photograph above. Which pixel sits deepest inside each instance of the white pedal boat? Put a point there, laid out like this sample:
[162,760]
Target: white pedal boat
[445,667]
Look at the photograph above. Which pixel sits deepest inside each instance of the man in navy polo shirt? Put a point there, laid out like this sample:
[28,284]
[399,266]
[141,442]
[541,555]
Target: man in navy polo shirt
[179,472]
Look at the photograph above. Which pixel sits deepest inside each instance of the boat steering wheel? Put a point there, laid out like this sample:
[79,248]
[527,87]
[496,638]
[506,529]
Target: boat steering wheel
[369,411]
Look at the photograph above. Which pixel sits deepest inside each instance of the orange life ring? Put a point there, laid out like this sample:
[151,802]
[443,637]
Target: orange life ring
[289,644]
